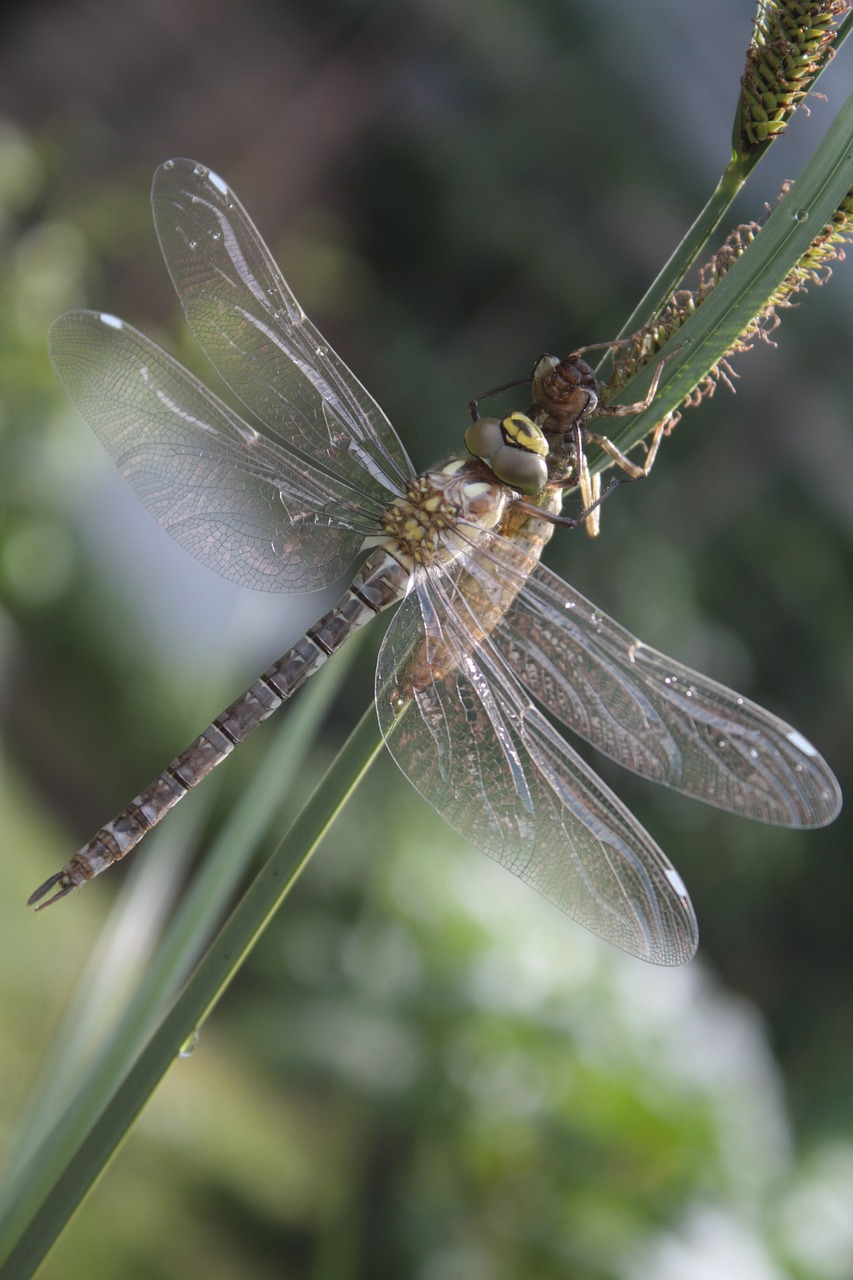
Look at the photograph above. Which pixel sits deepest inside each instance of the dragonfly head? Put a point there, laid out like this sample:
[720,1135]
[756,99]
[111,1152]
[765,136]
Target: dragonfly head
[513,448]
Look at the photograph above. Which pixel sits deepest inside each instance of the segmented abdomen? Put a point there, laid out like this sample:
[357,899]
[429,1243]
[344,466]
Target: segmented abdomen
[379,583]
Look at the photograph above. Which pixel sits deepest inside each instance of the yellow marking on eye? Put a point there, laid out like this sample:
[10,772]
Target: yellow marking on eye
[525,434]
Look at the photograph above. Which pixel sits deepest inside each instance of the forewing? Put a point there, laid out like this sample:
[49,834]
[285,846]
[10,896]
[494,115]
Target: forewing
[499,774]
[657,717]
[256,334]
[234,499]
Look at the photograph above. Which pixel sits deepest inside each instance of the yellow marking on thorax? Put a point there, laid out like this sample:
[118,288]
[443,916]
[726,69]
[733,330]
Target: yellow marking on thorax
[420,527]
[477,489]
[416,524]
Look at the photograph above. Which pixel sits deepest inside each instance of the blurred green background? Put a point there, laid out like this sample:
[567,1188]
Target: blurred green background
[424,1070]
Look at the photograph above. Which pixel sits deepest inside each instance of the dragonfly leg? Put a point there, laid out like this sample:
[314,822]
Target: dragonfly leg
[639,406]
[474,405]
[590,485]
[600,346]
[633,470]
[572,522]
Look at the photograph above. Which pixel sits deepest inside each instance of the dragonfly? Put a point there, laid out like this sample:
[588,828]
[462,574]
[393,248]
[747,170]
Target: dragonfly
[485,639]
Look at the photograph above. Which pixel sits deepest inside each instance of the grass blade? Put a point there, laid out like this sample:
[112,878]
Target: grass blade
[63,1170]
[748,285]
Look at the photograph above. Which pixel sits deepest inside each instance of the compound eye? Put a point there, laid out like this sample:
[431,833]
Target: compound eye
[521,470]
[484,437]
[513,448]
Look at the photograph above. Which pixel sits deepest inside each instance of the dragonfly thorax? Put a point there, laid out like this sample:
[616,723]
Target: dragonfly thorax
[420,526]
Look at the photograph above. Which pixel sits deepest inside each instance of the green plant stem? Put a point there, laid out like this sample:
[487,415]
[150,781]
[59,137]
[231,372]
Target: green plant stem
[44,1201]
[696,238]
[692,245]
[744,290]
[201,908]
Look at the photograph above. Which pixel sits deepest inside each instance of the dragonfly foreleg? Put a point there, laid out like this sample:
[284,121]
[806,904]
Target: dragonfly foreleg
[589,510]
[474,405]
[639,406]
[590,485]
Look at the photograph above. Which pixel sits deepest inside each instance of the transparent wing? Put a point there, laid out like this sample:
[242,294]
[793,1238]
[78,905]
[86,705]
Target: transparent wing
[256,334]
[655,716]
[495,769]
[239,502]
